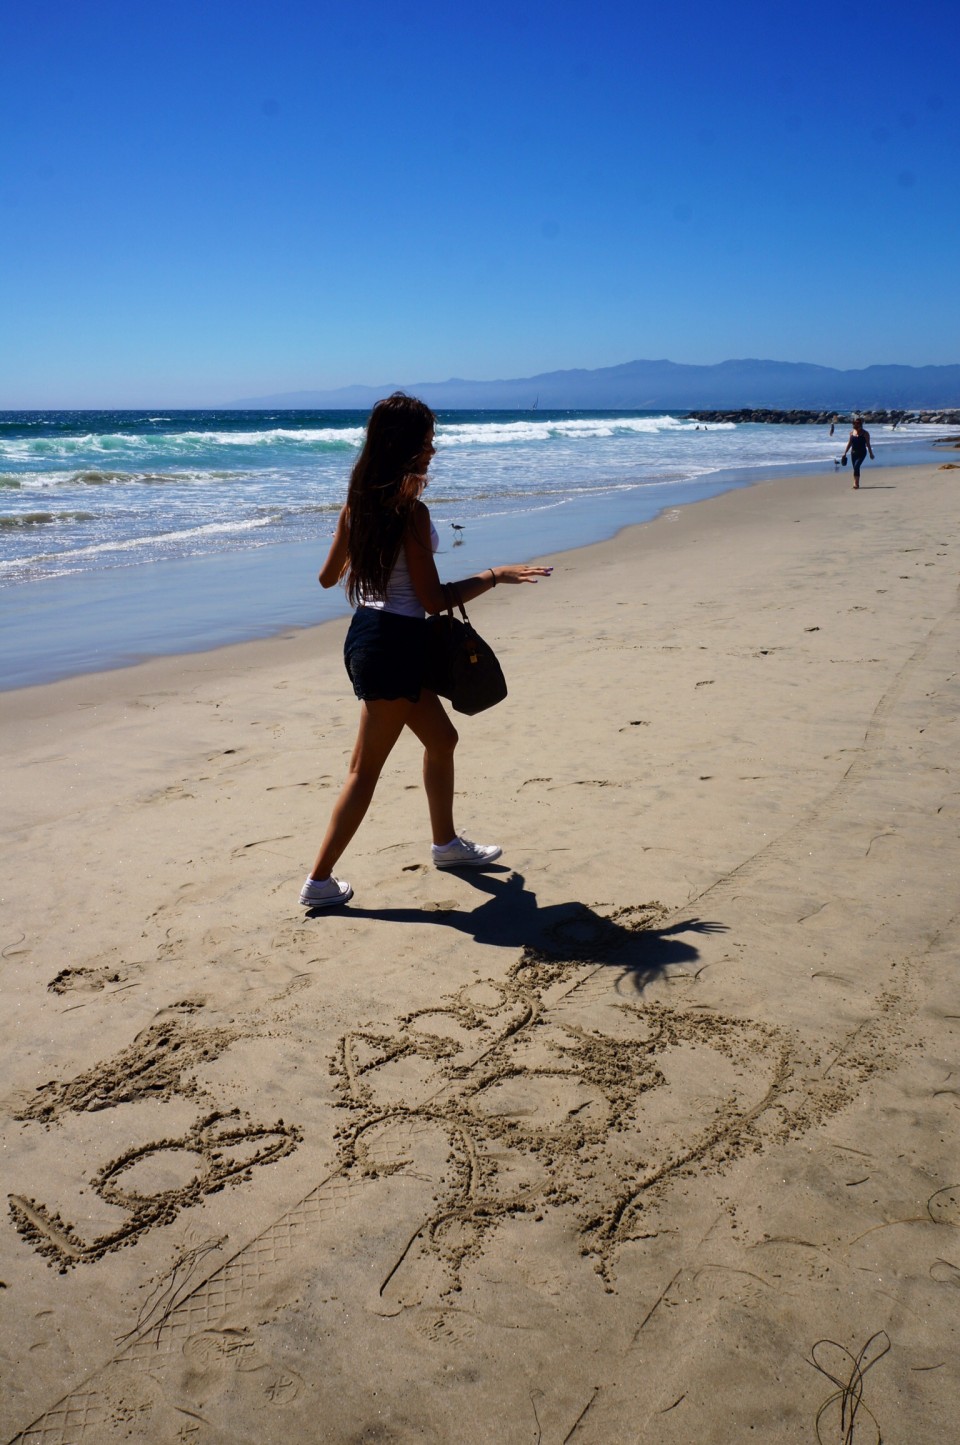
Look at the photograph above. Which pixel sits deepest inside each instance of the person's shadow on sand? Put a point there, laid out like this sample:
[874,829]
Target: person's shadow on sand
[511,917]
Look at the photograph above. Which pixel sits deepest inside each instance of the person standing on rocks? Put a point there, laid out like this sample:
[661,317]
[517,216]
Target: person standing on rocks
[858,444]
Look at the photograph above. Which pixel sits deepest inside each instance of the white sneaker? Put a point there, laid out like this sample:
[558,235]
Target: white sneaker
[327,894]
[461,853]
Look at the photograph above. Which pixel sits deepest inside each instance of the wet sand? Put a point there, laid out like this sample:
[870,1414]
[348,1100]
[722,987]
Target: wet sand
[648,1134]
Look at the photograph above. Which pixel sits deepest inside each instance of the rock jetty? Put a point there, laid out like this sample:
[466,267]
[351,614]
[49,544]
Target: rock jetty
[950,417]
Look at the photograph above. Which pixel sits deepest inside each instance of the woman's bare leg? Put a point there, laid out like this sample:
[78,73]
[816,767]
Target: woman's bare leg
[381,723]
[429,722]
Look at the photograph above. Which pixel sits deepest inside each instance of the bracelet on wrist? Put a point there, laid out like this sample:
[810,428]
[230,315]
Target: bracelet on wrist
[493,575]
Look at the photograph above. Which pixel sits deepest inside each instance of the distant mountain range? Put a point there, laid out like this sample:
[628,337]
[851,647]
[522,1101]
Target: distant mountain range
[652,385]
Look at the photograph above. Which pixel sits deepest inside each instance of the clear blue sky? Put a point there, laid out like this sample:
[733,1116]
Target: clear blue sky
[209,199]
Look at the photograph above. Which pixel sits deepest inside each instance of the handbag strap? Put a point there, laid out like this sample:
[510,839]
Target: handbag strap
[447,609]
[450,590]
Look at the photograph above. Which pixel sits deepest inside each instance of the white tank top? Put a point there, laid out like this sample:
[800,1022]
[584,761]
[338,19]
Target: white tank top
[401,597]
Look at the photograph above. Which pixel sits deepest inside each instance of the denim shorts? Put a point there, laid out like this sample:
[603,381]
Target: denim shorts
[385,655]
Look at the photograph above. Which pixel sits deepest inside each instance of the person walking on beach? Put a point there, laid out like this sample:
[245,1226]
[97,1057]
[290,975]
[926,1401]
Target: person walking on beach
[383,550]
[858,444]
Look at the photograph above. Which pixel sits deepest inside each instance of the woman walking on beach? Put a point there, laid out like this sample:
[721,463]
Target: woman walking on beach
[858,444]
[383,548]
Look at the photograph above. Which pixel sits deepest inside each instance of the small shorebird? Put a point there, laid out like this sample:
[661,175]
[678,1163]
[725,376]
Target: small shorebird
[458,528]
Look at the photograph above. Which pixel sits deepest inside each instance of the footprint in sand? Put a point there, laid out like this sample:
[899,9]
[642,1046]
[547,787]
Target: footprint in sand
[85,980]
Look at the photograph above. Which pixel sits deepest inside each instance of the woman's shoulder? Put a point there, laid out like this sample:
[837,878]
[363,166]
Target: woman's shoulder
[420,530]
[420,517]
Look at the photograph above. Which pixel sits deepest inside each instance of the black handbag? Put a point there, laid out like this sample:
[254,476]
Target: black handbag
[460,666]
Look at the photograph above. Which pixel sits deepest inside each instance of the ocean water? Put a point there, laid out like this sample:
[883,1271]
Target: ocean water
[124,534]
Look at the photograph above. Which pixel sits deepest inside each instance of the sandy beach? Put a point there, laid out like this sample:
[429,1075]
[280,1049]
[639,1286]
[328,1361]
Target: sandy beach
[648,1134]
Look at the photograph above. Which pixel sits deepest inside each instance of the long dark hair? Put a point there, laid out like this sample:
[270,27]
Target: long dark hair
[384,486]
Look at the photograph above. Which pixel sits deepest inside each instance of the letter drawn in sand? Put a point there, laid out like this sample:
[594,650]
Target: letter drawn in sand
[519,1096]
[223,1150]
[220,1148]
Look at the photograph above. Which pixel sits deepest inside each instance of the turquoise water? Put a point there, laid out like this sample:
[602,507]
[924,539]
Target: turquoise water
[126,534]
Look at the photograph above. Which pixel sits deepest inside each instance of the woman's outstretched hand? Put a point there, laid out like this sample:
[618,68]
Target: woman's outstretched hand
[519,572]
